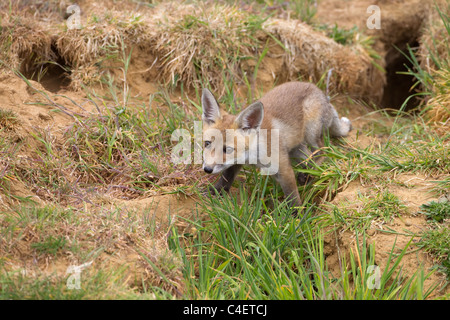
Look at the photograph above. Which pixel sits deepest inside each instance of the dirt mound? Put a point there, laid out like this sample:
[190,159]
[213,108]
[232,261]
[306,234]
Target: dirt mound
[403,24]
[177,47]
[35,114]
[311,54]
[181,48]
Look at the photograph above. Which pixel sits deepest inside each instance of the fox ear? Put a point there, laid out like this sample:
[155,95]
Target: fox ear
[210,107]
[251,117]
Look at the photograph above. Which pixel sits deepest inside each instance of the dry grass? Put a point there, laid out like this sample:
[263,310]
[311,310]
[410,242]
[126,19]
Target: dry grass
[24,42]
[86,50]
[29,42]
[434,38]
[8,119]
[117,240]
[225,41]
[201,49]
[439,104]
[312,54]
[434,55]
[220,43]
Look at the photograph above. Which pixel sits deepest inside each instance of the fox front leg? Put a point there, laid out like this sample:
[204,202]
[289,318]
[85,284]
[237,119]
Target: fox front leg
[286,178]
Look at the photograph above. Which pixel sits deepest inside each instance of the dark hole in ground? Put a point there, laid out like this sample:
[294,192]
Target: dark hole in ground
[398,86]
[52,73]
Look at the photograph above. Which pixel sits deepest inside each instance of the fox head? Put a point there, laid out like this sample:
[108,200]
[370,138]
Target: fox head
[228,139]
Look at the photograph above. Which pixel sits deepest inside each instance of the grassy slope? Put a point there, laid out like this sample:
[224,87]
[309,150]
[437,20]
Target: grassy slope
[237,246]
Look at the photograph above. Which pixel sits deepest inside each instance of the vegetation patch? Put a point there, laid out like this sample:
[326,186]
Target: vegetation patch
[86,177]
[436,210]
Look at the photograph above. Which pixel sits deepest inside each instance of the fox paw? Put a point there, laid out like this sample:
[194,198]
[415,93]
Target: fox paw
[303,179]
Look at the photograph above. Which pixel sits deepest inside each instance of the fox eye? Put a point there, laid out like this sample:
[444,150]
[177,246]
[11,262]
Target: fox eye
[228,150]
[207,144]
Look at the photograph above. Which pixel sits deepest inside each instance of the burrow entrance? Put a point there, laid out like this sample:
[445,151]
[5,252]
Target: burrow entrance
[398,85]
[51,72]
[398,35]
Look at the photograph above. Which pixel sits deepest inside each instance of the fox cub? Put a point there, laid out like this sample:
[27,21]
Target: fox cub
[287,122]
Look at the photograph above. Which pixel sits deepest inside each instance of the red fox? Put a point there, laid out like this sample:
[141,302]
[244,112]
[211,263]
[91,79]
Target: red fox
[293,117]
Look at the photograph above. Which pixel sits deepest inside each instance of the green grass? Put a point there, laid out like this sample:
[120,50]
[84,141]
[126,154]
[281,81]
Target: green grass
[437,243]
[50,245]
[436,211]
[436,240]
[249,246]
[432,76]
[8,119]
[246,245]
[352,37]
[98,284]
[123,144]
[442,186]
[380,207]
[229,255]
[304,10]
[340,35]
[247,251]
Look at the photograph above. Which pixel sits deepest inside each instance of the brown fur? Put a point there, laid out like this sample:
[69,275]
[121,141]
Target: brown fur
[299,110]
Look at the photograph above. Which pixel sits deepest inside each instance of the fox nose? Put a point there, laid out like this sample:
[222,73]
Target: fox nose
[208,169]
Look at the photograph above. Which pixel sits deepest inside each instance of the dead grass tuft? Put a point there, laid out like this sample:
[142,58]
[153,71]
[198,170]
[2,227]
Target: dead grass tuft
[25,43]
[100,40]
[8,119]
[224,42]
[312,54]
[439,104]
[434,55]
[220,43]
[206,47]
[434,44]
